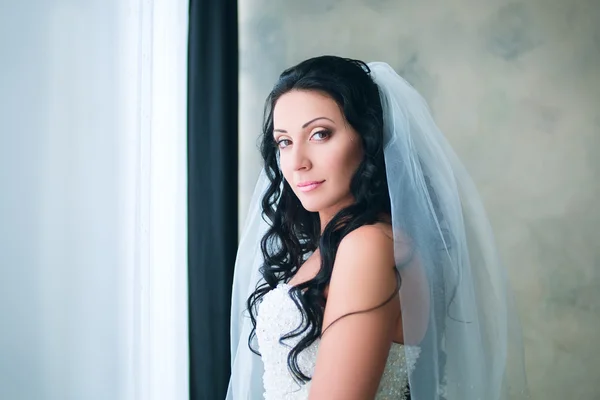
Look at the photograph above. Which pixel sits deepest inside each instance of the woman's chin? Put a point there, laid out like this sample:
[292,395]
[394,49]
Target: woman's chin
[310,208]
[312,205]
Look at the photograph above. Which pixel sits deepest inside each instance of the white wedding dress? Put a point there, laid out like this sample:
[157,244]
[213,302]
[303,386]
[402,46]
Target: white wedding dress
[277,316]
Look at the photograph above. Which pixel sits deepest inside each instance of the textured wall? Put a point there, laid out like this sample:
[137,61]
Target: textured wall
[516,88]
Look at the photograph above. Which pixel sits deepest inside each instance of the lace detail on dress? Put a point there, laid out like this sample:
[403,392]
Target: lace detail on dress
[277,316]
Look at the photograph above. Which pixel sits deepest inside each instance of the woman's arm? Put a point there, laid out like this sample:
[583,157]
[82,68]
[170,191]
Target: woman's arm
[354,349]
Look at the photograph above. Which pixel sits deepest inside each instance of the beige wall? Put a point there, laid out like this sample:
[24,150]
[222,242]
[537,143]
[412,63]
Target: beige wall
[516,88]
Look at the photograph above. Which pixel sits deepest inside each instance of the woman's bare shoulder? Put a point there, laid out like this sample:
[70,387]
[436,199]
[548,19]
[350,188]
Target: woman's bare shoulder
[366,240]
[364,265]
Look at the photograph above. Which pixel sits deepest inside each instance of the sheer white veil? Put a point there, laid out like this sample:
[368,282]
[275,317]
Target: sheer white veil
[455,299]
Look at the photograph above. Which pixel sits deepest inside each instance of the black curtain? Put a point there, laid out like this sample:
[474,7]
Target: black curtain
[212,190]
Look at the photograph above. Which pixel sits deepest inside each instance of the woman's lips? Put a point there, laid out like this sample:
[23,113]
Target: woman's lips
[308,186]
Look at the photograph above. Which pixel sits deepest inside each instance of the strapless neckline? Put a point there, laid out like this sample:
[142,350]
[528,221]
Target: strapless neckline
[277,316]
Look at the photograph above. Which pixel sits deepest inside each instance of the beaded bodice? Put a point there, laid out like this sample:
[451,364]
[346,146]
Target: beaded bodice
[278,315]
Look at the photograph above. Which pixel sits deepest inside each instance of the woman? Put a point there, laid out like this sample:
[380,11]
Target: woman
[367,268]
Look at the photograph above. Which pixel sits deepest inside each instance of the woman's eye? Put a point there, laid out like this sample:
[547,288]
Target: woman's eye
[321,135]
[283,143]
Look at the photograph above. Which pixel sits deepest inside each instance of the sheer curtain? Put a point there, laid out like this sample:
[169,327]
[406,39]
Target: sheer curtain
[93,240]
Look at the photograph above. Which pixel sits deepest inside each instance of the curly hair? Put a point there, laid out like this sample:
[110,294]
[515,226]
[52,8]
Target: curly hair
[295,232]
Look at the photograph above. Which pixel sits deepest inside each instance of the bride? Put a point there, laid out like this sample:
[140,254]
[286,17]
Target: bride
[366,268]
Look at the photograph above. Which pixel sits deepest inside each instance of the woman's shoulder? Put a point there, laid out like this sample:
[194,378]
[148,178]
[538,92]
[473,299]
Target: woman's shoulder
[366,252]
[368,238]
[363,274]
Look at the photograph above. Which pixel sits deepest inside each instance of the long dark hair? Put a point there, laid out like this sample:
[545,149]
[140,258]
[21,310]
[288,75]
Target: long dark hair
[295,232]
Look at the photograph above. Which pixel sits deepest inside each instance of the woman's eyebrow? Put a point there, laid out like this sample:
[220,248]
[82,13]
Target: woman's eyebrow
[306,124]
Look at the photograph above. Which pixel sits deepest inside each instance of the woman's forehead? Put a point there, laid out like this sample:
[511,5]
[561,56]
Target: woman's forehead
[297,107]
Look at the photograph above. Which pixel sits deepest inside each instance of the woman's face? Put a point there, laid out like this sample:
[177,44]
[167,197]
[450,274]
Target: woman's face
[319,151]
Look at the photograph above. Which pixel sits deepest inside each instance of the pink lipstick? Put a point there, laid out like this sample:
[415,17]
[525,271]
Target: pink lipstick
[308,186]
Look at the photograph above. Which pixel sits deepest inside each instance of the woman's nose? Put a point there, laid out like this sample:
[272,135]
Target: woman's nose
[301,160]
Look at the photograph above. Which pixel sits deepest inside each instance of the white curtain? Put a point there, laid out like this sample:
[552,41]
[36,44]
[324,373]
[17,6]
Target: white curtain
[93,240]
